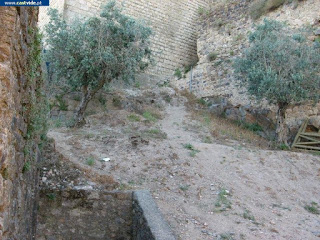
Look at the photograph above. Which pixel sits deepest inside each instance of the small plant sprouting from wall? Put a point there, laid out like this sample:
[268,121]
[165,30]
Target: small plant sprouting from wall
[212,56]
[204,12]
[188,67]
[36,111]
[178,73]
[26,167]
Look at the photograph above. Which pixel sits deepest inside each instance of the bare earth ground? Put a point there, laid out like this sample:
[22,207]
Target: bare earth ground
[205,190]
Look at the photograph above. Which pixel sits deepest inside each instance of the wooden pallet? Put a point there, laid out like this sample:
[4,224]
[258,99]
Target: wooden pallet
[308,137]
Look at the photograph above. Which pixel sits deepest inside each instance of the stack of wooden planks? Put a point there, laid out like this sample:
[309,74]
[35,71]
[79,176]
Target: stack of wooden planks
[308,137]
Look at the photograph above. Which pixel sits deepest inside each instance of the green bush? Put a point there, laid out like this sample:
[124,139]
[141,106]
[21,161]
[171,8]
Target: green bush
[280,67]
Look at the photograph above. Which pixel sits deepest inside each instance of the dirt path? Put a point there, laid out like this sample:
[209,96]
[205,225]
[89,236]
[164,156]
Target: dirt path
[205,190]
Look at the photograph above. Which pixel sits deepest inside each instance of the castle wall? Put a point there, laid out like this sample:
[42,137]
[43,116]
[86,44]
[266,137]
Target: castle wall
[19,152]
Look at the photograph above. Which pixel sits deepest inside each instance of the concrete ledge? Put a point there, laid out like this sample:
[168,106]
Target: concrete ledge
[148,222]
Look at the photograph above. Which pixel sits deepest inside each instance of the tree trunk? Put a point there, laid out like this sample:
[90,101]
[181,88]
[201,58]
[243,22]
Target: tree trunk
[79,114]
[282,129]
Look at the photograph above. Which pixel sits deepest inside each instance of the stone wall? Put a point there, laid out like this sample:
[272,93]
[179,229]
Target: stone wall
[148,222]
[223,35]
[97,214]
[19,151]
[81,214]
[174,23]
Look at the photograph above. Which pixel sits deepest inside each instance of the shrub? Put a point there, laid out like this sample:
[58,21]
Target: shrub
[280,68]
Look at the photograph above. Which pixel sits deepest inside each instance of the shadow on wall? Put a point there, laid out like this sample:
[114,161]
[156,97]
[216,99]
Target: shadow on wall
[88,214]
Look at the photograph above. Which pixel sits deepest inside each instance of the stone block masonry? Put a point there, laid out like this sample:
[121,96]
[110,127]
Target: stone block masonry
[18,177]
[94,214]
[174,23]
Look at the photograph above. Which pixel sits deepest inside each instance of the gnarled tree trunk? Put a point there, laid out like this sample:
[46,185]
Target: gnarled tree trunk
[282,129]
[79,114]
[87,95]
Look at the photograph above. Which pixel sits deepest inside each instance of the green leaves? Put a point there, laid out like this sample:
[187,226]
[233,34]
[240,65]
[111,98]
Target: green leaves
[280,65]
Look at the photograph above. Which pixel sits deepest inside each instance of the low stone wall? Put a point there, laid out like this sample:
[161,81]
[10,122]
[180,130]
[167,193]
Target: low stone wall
[81,214]
[93,214]
[148,223]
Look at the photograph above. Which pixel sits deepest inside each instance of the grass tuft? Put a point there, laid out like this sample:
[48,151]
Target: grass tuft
[91,161]
[223,203]
[150,116]
[133,118]
[312,208]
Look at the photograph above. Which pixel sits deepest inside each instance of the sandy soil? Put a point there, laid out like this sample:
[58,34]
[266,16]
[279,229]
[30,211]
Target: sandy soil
[205,190]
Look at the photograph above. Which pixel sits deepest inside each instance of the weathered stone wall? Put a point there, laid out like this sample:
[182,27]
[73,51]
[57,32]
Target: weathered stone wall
[19,153]
[80,214]
[224,33]
[174,23]
[148,223]
[96,214]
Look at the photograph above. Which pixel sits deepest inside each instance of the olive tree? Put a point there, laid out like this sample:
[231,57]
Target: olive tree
[281,66]
[91,52]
